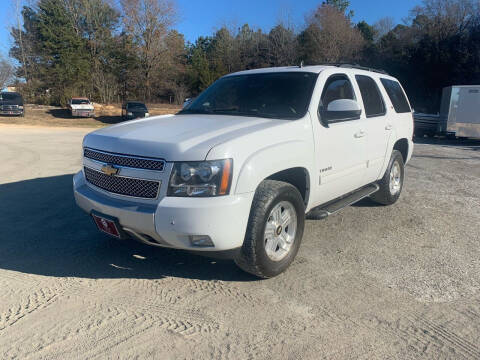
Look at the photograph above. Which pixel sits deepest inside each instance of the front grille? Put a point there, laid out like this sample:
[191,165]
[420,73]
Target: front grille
[9,107]
[123,185]
[124,160]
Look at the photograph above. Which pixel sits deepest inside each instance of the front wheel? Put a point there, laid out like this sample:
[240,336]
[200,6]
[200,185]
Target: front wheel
[274,230]
[391,184]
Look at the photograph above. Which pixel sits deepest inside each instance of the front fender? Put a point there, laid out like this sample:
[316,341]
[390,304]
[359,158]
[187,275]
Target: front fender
[270,160]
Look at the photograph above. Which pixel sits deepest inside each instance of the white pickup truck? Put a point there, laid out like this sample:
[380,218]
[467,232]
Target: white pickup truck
[241,167]
[81,106]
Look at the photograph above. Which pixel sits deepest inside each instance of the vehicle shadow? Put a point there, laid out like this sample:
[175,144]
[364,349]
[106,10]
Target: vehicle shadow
[109,119]
[65,114]
[366,202]
[60,113]
[43,232]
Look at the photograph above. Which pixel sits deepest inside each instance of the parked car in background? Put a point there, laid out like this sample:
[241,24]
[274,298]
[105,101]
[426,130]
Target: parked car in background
[425,124]
[81,106]
[240,169]
[11,103]
[134,110]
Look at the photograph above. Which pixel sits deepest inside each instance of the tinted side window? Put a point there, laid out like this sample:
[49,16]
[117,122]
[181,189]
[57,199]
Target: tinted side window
[372,99]
[396,95]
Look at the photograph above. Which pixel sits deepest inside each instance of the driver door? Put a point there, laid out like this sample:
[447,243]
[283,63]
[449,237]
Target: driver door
[340,144]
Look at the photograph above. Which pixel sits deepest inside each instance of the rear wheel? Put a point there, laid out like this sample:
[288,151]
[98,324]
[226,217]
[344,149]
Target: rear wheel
[274,231]
[391,184]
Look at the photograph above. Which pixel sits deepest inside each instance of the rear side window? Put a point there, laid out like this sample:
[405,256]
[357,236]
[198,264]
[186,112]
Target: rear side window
[372,99]
[396,95]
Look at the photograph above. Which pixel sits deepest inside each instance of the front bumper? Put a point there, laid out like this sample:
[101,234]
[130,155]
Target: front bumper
[170,221]
[83,113]
[11,112]
[136,116]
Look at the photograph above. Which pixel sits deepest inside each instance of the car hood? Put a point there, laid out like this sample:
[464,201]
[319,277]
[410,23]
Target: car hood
[175,137]
[82,106]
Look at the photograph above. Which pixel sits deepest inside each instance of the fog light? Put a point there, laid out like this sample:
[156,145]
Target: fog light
[201,240]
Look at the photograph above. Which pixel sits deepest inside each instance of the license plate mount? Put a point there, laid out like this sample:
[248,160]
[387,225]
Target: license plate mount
[107,224]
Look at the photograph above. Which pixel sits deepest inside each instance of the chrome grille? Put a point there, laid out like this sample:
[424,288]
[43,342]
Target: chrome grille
[124,160]
[9,107]
[123,185]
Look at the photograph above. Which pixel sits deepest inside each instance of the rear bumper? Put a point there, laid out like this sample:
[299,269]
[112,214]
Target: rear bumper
[172,221]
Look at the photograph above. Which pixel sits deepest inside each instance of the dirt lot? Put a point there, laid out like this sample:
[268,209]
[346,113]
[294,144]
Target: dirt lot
[56,116]
[369,283]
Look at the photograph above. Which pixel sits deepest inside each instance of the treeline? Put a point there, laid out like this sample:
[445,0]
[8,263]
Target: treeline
[109,53]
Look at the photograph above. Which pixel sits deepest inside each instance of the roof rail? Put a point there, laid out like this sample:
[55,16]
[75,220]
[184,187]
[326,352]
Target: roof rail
[356,66]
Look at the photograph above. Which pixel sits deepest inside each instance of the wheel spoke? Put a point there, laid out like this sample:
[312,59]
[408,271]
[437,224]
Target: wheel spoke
[286,218]
[271,245]
[282,243]
[277,214]
[286,239]
[269,230]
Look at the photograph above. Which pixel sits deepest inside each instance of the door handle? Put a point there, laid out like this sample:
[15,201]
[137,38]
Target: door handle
[388,127]
[360,134]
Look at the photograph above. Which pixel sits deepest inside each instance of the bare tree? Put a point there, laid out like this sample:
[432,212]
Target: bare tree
[444,18]
[330,37]
[149,22]
[6,73]
[382,27]
[20,39]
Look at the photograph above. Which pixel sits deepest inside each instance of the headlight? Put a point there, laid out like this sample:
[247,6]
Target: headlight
[201,179]
[147,114]
[20,107]
[129,113]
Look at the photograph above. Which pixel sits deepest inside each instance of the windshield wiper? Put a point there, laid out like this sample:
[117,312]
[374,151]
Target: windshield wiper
[194,111]
[226,109]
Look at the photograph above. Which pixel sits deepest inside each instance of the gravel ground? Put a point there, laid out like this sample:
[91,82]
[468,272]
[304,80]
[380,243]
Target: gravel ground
[368,283]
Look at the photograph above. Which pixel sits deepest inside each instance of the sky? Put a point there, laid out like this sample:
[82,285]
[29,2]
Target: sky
[203,17]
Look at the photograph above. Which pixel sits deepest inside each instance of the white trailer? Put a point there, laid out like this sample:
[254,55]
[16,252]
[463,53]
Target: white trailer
[460,111]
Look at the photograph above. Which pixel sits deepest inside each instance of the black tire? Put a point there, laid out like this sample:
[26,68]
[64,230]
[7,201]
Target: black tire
[384,195]
[253,257]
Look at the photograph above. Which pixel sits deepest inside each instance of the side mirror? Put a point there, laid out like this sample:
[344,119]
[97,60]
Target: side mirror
[187,102]
[341,110]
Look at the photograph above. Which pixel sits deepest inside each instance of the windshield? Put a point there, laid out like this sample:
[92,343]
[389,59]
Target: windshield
[136,105]
[80,101]
[280,95]
[10,97]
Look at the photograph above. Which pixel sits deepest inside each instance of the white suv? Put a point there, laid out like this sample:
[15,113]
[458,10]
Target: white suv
[243,165]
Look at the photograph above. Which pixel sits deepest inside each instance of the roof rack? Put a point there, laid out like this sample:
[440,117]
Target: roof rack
[356,66]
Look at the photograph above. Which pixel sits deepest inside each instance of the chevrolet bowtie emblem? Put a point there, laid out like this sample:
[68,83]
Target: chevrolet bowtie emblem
[109,170]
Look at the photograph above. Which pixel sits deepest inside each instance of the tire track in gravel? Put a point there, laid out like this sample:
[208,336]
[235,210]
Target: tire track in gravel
[39,299]
[137,324]
[426,337]
[447,337]
[174,288]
